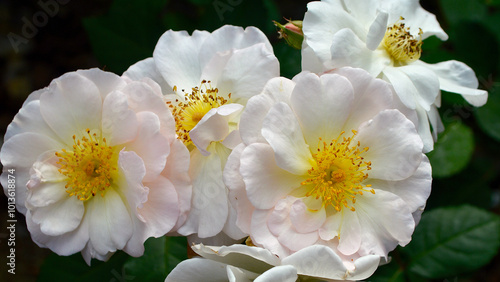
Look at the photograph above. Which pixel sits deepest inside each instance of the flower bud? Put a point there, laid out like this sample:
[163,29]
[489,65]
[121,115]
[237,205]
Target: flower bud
[291,32]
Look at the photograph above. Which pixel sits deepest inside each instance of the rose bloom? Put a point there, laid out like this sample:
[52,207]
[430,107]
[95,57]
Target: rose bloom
[97,165]
[245,263]
[327,160]
[385,38]
[212,76]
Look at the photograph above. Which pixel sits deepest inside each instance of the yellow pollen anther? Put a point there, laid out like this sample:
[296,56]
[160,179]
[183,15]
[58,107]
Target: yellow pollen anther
[89,168]
[196,104]
[338,173]
[401,45]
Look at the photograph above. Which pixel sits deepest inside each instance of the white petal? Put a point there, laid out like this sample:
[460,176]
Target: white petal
[22,150]
[426,83]
[276,90]
[119,122]
[213,126]
[176,57]
[350,233]
[285,273]
[395,149]
[209,205]
[322,105]
[206,270]
[265,182]
[403,86]
[243,73]
[385,221]
[132,170]
[370,96]
[110,226]
[304,219]
[150,145]
[457,77]
[147,68]
[60,217]
[414,190]
[262,236]
[105,81]
[72,105]
[377,31]
[282,130]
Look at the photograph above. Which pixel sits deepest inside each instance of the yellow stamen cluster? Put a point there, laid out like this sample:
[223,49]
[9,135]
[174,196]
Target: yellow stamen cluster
[89,166]
[196,104]
[338,173]
[401,45]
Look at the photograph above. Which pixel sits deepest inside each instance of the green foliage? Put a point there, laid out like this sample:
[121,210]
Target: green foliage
[488,116]
[452,151]
[453,240]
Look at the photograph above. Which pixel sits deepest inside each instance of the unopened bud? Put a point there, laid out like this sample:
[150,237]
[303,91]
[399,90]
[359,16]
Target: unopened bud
[291,32]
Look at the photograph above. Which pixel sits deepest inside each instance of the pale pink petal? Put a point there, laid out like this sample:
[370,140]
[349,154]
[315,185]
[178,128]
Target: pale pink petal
[119,122]
[60,217]
[147,68]
[262,236]
[304,219]
[282,131]
[276,90]
[395,149]
[265,182]
[349,232]
[322,105]
[106,82]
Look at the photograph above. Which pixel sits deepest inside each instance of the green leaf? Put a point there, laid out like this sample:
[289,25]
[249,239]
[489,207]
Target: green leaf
[73,268]
[472,10]
[175,252]
[454,240]
[452,151]
[488,116]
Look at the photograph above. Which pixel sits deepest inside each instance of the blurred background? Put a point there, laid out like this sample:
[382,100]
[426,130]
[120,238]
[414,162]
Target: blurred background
[44,39]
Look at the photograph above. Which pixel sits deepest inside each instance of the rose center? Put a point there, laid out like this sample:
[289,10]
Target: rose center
[401,45]
[338,173]
[192,109]
[89,167]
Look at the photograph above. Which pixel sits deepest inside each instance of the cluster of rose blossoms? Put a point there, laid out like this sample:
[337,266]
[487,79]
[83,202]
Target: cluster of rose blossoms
[271,179]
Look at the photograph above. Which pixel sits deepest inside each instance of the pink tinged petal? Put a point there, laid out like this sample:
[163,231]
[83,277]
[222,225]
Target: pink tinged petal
[377,31]
[161,210]
[304,219]
[322,20]
[385,221]
[331,228]
[150,145]
[322,105]
[350,233]
[229,38]
[206,270]
[244,72]
[294,240]
[46,185]
[265,182]
[147,68]
[110,224]
[119,122]
[276,90]
[414,190]
[132,171]
[231,228]
[65,244]
[88,253]
[262,236]
[60,217]
[106,82]
[426,83]
[214,126]
[72,104]
[237,193]
[348,50]
[176,56]
[285,273]
[144,97]
[29,119]
[457,77]
[282,131]
[370,96]
[209,205]
[395,149]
